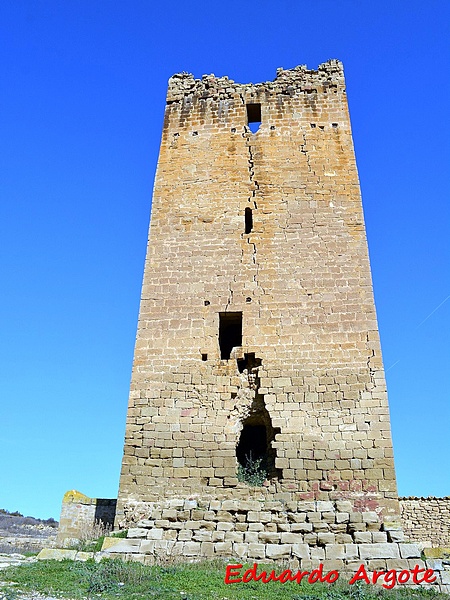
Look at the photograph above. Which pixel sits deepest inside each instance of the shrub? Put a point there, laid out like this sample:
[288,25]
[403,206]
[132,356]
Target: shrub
[92,536]
[253,472]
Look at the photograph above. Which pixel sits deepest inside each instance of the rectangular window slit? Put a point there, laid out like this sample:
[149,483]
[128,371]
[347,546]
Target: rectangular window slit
[248,220]
[254,117]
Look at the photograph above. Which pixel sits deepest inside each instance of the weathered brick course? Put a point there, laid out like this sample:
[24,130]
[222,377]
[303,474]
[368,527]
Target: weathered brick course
[426,520]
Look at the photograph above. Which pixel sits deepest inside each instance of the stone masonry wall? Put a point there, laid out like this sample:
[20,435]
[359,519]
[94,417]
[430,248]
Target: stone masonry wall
[79,516]
[267,229]
[426,520]
[241,527]
[302,535]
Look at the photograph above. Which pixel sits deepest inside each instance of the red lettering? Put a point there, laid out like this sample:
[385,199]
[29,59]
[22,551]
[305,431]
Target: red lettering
[264,577]
[250,574]
[402,575]
[230,573]
[390,579]
[273,576]
[429,573]
[376,575]
[331,576]
[285,576]
[299,576]
[360,574]
[258,577]
[415,573]
[316,575]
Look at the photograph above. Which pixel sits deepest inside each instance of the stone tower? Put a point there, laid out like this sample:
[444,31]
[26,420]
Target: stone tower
[257,351]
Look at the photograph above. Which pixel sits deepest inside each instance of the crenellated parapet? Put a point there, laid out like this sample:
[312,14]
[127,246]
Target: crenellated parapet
[329,75]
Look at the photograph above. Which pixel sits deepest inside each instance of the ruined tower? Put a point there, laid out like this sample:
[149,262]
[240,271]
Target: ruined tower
[257,357]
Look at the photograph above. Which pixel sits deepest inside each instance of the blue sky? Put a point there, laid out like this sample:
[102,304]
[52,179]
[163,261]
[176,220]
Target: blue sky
[82,101]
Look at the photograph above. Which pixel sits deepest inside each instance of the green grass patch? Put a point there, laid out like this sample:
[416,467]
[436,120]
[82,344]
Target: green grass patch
[96,544]
[119,534]
[117,580]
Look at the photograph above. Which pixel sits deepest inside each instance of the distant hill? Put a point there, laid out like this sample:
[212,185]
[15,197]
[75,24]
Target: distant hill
[25,534]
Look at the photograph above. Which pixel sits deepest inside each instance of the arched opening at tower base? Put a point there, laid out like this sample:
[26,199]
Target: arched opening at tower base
[252,444]
[254,452]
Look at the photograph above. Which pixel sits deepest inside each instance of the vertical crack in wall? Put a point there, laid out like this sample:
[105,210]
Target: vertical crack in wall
[251,167]
[254,189]
[306,153]
[230,296]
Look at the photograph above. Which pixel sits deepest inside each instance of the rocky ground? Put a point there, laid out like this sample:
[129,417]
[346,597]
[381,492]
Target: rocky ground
[19,534]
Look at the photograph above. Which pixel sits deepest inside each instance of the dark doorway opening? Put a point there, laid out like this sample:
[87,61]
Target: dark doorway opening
[252,444]
[230,333]
[254,452]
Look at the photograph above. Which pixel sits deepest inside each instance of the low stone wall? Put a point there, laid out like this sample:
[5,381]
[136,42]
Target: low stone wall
[253,529]
[83,518]
[303,535]
[426,520]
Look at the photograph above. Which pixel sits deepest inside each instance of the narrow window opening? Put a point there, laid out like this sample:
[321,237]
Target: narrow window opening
[204,357]
[254,117]
[230,333]
[248,220]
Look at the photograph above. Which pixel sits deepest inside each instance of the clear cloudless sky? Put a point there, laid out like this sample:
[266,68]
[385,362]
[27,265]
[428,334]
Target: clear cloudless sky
[83,86]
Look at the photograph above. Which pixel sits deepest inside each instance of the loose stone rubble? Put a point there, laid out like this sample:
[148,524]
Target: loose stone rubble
[251,531]
[15,559]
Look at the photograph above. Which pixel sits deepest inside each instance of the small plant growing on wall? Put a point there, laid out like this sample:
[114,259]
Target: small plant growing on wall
[253,472]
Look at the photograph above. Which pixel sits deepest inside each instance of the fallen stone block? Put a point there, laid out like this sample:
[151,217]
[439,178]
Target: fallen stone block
[124,546]
[56,554]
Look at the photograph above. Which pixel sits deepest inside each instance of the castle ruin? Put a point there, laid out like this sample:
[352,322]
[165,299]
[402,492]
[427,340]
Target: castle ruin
[257,358]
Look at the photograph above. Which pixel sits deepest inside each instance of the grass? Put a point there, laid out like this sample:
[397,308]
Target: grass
[95,545]
[117,580]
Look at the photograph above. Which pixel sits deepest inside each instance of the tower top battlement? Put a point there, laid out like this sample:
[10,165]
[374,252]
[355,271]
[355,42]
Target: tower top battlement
[299,79]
